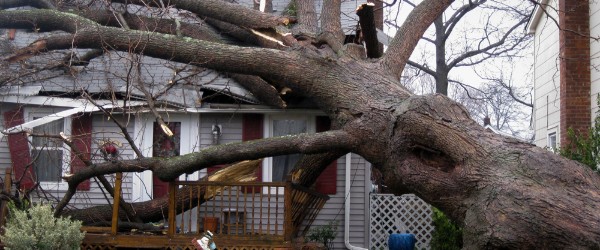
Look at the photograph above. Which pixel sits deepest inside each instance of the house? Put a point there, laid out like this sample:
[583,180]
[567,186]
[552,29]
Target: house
[205,109]
[566,76]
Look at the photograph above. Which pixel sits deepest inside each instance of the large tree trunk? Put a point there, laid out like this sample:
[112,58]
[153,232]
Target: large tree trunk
[507,193]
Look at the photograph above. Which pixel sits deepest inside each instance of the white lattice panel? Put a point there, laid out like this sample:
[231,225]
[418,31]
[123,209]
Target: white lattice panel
[399,214]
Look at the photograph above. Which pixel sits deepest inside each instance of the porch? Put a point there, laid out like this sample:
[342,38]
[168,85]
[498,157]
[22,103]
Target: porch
[242,215]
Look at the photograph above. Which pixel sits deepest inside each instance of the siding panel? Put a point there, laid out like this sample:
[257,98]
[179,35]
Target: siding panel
[546,76]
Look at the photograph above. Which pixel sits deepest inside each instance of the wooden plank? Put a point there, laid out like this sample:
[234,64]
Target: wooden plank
[89,229]
[288,226]
[180,240]
[4,207]
[117,199]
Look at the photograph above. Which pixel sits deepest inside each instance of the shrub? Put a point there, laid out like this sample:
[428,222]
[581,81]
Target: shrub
[447,235]
[583,149]
[36,228]
[323,234]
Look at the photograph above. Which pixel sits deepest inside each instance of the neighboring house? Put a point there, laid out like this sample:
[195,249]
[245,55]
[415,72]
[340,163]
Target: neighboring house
[566,76]
[207,108]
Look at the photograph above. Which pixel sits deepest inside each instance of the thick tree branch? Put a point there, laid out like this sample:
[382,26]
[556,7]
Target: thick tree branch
[261,89]
[265,92]
[368,29]
[331,25]
[171,168]
[410,33]
[221,10]
[88,34]
[307,18]
[156,209]
[309,167]
[42,4]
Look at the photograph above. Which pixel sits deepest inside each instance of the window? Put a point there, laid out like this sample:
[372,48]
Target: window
[552,141]
[51,155]
[277,168]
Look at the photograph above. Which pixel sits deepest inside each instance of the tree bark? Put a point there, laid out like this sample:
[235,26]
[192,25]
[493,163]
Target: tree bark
[507,193]
[441,68]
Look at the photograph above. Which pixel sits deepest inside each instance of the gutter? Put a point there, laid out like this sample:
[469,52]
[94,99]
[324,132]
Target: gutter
[28,126]
[347,206]
[539,10]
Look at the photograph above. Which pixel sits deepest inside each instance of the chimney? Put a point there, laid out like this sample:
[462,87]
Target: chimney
[486,121]
[575,76]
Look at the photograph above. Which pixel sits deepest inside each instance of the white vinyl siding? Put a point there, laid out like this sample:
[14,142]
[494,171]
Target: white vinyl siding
[546,75]
[595,55]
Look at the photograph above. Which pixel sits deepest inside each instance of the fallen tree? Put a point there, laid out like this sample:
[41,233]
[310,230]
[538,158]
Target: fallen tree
[157,209]
[507,193]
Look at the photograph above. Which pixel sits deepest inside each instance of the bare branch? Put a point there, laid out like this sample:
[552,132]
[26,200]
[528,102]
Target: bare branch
[422,68]
[408,36]
[458,15]
[491,46]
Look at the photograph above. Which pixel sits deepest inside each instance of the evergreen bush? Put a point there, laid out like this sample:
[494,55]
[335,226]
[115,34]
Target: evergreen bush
[584,148]
[447,235]
[36,228]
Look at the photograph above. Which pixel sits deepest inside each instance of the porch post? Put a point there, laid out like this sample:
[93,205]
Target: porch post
[287,231]
[7,186]
[114,226]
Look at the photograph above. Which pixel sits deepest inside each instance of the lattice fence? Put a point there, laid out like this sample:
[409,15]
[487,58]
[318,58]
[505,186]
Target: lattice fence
[399,214]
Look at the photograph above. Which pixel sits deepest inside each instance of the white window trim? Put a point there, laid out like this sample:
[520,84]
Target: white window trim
[29,114]
[143,136]
[267,173]
[550,131]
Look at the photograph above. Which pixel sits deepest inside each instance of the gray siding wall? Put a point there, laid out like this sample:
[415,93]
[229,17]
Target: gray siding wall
[359,203]
[102,129]
[105,129]
[5,161]
[231,125]
[334,208]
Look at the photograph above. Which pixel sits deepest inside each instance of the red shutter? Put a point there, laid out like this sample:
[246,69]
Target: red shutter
[252,129]
[81,131]
[18,145]
[327,181]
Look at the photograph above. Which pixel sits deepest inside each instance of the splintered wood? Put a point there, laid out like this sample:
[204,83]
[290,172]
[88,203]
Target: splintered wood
[244,171]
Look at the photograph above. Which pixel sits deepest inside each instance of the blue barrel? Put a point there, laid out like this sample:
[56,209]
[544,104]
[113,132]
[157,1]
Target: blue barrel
[401,242]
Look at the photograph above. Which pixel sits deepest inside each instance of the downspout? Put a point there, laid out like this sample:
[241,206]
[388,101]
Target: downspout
[347,206]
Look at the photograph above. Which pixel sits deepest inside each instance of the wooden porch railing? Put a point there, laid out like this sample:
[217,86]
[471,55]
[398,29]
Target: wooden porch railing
[232,209]
[238,213]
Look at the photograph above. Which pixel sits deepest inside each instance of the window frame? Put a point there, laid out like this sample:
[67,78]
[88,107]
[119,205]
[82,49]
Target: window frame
[30,114]
[267,168]
[549,133]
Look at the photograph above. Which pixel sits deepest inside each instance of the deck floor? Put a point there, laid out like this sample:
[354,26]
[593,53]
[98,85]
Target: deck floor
[98,241]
